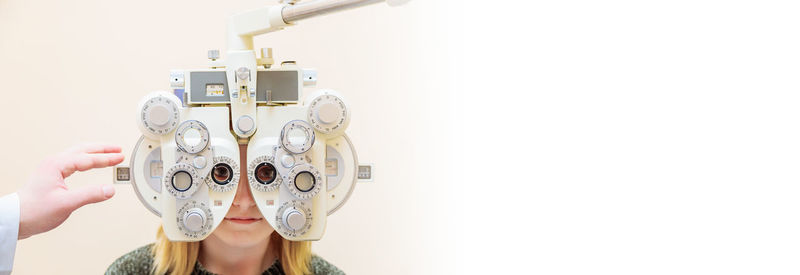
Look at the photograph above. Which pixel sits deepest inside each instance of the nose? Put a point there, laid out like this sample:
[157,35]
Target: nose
[244,198]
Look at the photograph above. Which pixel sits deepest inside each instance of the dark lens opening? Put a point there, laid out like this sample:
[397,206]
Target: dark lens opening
[265,173]
[222,174]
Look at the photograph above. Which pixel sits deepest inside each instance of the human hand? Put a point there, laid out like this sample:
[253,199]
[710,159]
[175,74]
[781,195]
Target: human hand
[46,201]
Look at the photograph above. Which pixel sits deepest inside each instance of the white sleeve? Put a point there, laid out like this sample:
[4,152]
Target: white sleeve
[9,230]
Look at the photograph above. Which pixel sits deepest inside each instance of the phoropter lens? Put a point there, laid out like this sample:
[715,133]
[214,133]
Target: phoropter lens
[222,174]
[265,173]
[304,181]
[181,181]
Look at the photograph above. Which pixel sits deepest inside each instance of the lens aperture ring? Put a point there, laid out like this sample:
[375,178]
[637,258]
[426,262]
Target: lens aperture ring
[263,175]
[174,181]
[230,182]
[302,192]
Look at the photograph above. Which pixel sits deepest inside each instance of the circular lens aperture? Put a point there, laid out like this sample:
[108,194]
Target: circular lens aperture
[192,137]
[222,174]
[265,173]
[297,137]
[304,181]
[181,181]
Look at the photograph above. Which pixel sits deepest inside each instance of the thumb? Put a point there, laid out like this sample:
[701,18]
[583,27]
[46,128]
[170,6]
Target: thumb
[90,194]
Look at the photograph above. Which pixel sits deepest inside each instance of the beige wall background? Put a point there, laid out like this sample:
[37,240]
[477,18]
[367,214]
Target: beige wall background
[517,137]
[73,72]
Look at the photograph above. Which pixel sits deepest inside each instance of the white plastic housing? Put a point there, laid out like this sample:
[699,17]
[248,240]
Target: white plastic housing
[272,120]
[223,144]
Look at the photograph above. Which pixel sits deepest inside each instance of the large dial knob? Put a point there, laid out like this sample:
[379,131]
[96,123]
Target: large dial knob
[158,114]
[328,113]
[194,220]
[294,218]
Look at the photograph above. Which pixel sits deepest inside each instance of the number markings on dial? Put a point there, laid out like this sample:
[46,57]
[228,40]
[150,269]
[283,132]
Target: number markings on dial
[303,208]
[193,185]
[205,229]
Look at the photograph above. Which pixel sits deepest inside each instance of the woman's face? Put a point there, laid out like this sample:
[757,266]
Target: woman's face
[243,226]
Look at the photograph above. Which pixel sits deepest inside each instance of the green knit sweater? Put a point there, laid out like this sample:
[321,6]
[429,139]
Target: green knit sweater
[140,261]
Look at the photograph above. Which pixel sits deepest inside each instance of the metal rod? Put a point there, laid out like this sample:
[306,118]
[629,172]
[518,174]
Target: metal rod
[305,10]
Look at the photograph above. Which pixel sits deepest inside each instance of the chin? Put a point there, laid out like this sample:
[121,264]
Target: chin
[239,235]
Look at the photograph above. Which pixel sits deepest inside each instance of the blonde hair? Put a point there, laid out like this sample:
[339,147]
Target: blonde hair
[179,258]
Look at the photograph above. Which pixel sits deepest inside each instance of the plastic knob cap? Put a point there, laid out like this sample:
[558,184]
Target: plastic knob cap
[194,220]
[213,54]
[294,219]
[287,161]
[243,73]
[199,162]
[328,113]
[245,124]
[159,115]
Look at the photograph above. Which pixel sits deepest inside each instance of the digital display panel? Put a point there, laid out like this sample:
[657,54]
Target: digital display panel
[215,89]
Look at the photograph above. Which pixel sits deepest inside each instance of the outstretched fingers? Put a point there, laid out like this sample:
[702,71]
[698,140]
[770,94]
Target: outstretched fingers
[71,163]
[94,148]
[88,194]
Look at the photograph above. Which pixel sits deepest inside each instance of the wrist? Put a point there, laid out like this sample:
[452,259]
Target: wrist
[24,216]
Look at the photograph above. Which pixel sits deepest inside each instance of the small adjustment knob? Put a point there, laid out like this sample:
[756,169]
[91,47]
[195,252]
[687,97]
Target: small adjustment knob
[199,162]
[245,124]
[294,219]
[287,161]
[243,73]
[194,220]
[213,54]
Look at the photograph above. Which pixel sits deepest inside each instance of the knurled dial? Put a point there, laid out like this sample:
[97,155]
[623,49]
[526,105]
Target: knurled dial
[159,115]
[181,180]
[304,181]
[297,136]
[192,136]
[327,113]
[224,176]
[294,218]
[195,219]
[263,175]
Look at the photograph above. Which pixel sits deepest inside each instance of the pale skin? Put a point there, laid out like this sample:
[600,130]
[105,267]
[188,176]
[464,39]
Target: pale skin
[46,201]
[241,243]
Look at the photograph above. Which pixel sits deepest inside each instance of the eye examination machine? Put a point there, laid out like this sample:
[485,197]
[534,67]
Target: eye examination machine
[301,166]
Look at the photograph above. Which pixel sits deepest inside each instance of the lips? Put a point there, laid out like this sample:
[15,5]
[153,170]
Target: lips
[243,220]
